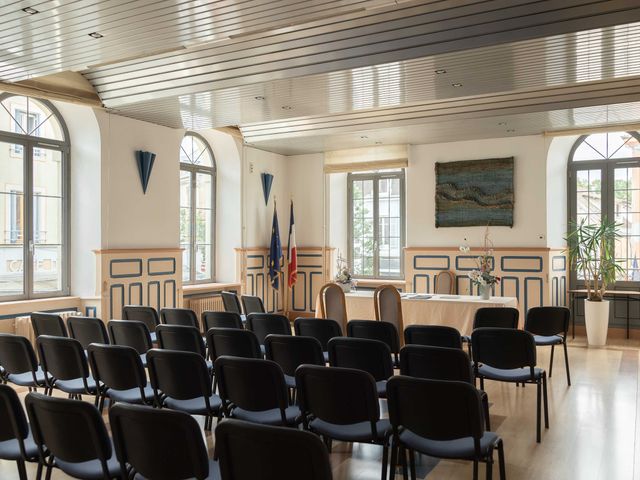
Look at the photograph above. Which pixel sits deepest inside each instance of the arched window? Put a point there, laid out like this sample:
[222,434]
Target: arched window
[604,180]
[34,186]
[197,209]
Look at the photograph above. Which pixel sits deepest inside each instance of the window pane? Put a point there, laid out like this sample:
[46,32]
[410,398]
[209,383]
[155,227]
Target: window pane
[186,262]
[203,190]
[626,187]
[203,262]
[11,270]
[185,225]
[194,151]
[47,172]
[47,220]
[203,226]
[47,269]
[28,116]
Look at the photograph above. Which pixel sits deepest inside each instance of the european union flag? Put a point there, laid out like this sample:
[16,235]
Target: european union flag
[275,251]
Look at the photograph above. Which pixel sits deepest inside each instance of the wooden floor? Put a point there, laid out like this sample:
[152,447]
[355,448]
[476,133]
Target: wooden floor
[594,425]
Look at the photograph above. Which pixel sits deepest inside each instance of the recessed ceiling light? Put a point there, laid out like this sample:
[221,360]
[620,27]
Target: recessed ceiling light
[363,136]
[96,35]
[440,71]
[287,107]
[456,85]
[259,97]
[30,11]
[502,124]
[378,143]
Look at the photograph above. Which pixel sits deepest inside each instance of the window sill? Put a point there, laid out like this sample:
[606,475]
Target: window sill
[200,288]
[374,282]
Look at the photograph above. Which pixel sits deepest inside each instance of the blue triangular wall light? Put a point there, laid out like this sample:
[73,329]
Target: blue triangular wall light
[267,181]
[145,165]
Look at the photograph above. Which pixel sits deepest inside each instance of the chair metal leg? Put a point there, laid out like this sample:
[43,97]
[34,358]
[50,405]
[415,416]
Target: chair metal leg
[546,400]
[39,471]
[403,459]
[503,474]
[22,472]
[566,362]
[538,402]
[481,383]
[551,360]
[475,470]
[47,475]
[487,420]
[394,459]
[489,474]
[385,456]
[412,464]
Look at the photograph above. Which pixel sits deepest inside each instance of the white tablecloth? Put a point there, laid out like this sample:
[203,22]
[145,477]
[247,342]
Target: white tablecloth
[452,310]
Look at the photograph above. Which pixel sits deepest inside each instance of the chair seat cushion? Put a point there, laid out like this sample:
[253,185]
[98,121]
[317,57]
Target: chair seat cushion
[354,432]
[511,375]
[90,470]
[548,340]
[195,406]
[268,417]
[10,449]
[290,381]
[131,395]
[26,379]
[458,448]
[76,385]
[214,472]
[381,387]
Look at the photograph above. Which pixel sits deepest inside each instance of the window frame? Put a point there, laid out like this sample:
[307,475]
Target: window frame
[193,171]
[607,168]
[29,145]
[376,176]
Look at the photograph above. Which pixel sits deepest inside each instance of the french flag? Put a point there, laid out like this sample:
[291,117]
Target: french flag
[293,252]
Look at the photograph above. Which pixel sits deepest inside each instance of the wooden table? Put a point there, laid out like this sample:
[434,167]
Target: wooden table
[582,293]
[426,309]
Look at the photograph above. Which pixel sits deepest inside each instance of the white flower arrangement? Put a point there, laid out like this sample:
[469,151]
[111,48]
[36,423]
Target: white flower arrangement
[481,275]
[343,275]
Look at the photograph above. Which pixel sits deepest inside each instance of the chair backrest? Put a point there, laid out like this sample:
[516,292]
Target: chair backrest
[433,336]
[48,324]
[436,409]
[322,392]
[322,329]
[263,324]
[179,316]
[436,363]
[248,450]
[164,444]
[130,333]
[445,283]
[231,302]
[504,348]
[63,358]
[117,366]
[251,304]
[548,321]
[496,317]
[13,421]
[384,331]
[333,304]
[232,342]
[251,384]
[142,313]
[221,320]
[290,352]
[179,375]
[180,337]
[372,356]
[72,430]
[388,306]
[87,330]
[17,354]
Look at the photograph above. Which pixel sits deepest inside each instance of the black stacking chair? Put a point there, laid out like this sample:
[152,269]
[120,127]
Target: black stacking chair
[75,437]
[181,337]
[87,330]
[286,453]
[509,355]
[290,352]
[181,381]
[65,365]
[231,302]
[375,330]
[372,356]
[263,324]
[549,326]
[16,441]
[251,304]
[440,363]
[254,390]
[179,316]
[221,320]
[48,324]
[176,449]
[120,374]
[442,419]
[321,329]
[131,333]
[20,363]
[144,314]
[232,342]
[432,336]
[342,404]
[493,317]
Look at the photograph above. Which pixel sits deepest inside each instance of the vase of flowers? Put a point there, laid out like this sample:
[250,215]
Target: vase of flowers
[343,275]
[482,275]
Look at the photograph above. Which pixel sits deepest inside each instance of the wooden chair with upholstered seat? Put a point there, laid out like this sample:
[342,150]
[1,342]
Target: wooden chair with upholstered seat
[445,283]
[333,304]
[388,307]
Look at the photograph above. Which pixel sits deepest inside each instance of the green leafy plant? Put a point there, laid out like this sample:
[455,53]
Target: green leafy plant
[591,251]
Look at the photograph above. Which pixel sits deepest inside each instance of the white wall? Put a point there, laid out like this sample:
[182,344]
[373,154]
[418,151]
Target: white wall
[530,228]
[338,213]
[557,159]
[306,180]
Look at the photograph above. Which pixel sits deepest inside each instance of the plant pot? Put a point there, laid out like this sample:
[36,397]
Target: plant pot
[485,291]
[596,319]
[346,287]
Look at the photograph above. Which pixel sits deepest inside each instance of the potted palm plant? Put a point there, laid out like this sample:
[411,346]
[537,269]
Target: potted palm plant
[591,252]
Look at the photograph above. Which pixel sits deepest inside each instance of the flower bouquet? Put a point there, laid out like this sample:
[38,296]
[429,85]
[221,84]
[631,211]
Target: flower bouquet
[343,275]
[481,275]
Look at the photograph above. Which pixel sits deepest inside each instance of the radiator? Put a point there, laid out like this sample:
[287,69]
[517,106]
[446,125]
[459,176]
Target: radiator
[211,303]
